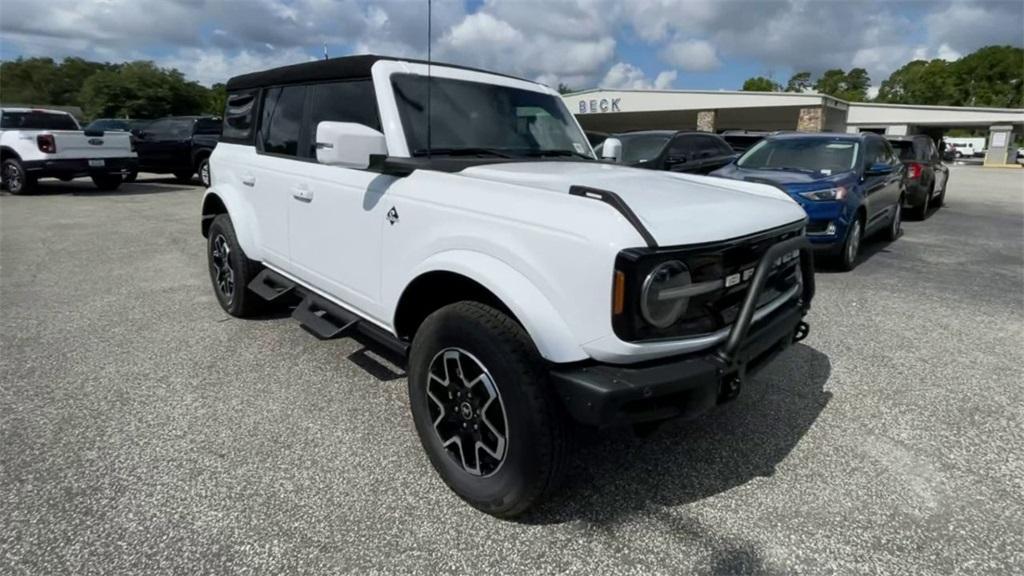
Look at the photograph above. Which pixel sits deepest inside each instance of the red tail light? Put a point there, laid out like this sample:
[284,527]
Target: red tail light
[46,143]
[914,171]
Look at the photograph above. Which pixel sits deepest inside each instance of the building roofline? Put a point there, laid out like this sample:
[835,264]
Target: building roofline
[932,107]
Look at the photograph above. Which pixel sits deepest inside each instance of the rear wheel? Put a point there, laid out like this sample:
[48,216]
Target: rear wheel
[14,177]
[231,270]
[896,224]
[921,212]
[486,418]
[107,181]
[851,247]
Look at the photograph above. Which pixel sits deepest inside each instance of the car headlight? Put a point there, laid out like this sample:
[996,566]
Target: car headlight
[837,193]
[663,299]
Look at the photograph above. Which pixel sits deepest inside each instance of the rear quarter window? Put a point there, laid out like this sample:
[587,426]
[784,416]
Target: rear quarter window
[239,113]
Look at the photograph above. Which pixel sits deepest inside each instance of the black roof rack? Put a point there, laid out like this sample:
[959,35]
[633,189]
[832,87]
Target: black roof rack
[343,68]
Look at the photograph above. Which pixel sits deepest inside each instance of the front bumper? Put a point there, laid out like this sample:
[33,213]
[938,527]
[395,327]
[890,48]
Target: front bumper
[689,385]
[79,167]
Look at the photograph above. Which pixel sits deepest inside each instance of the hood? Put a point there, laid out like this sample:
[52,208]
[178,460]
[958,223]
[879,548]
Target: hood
[787,180]
[676,208]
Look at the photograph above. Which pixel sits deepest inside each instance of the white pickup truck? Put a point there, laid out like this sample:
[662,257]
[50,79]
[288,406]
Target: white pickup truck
[37,143]
[470,229]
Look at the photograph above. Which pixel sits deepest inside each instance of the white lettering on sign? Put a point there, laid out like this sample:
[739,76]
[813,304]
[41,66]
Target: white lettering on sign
[602,105]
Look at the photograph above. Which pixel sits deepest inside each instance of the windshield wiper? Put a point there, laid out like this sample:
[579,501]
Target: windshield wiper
[786,169]
[467,151]
[541,153]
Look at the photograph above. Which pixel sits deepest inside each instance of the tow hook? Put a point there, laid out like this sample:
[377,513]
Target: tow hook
[802,330]
[730,389]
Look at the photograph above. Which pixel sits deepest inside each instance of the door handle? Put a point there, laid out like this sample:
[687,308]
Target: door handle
[302,193]
[248,180]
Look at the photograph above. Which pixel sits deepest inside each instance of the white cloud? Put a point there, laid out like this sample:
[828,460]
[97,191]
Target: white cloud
[691,55]
[623,75]
[212,66]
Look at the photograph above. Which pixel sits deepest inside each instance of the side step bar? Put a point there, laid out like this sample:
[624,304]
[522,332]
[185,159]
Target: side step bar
[323,318]
[270,286]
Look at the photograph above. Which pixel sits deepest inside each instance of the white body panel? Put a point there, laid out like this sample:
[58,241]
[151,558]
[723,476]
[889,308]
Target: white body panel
[514,228]
[71,144]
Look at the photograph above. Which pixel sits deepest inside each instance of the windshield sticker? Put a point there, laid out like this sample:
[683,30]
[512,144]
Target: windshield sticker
[826,171]
[578,147]
[839,146]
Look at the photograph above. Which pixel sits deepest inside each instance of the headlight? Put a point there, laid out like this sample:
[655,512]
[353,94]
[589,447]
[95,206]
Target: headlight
[662,301]
[837,193]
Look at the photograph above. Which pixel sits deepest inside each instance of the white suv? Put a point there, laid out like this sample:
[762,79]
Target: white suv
[460,218]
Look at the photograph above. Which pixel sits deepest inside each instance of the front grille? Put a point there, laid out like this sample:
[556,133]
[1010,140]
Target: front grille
[710,312]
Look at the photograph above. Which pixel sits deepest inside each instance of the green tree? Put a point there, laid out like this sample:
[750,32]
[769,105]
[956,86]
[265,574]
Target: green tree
[799,82]
[142,90]
[851,86]
[217,99]
[920,82]
[990,76]
[760,84]
[563,89]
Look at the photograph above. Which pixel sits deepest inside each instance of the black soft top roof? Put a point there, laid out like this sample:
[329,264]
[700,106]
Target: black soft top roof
[332,69]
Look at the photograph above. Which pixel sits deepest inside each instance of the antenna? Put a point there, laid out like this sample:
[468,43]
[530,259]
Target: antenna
[429,81]
[325,49]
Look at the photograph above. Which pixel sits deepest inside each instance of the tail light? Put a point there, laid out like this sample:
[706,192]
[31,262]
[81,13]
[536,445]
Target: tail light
[46,143]
[914,170]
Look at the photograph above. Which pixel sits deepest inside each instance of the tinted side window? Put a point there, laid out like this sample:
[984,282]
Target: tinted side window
[281,121]
[208,126]
[710,146]
[874,153]
[238,117]
[352,101]
[170,128]
[682,146]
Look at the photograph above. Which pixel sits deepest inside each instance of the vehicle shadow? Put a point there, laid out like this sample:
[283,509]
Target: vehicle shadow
[614,474]
[83,187]
[868,248]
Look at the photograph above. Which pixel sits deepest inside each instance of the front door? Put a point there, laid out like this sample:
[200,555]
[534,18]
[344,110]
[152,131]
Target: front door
[336,219]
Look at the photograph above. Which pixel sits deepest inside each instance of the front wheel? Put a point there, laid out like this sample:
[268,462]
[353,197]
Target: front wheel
[204,172]
[484,413]
[851,246]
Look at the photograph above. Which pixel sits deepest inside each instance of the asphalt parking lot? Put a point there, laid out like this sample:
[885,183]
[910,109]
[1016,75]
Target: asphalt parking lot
[143,431]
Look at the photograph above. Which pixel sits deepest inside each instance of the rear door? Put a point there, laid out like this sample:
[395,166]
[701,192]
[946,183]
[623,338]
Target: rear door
[336,220]
[280,168]
[875,185]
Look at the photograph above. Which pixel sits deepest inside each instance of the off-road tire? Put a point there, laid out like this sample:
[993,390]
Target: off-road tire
[204,172]
[240,302]
[15,179]
[538,432]
[107,182]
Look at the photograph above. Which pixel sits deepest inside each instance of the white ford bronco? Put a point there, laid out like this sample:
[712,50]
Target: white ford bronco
[37,143]
[461,220]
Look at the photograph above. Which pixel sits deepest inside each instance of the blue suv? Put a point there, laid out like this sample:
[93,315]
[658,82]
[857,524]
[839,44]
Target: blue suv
[851,185]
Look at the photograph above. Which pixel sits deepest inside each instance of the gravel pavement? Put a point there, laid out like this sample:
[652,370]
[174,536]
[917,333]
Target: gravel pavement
[143,431]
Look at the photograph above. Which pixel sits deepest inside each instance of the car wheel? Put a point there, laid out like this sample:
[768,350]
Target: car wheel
[481,405]
[941,198]
[851,247]
[231,270]
[15,179]
[131,176]
[921,212]
[204,172]
[896,224]
[107,181]
[184,177]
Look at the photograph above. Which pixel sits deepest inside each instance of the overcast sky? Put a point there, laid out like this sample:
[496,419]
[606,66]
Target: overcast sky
[685,44]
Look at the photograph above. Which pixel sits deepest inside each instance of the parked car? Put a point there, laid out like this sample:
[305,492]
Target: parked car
[179,145]
[742,140]
[522,281]
[39,143]
[693,152]
[851,185]
[927,176]
[109,124]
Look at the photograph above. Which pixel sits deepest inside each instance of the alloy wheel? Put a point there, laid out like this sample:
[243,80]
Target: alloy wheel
[204,174]
[467,412]
[13,178]
[224,275]
[853,246]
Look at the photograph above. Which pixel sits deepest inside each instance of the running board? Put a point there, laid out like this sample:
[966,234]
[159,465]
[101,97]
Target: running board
[270,285]
[323,319]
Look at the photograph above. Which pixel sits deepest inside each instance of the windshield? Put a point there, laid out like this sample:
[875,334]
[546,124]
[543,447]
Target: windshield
[478,118]
[642,147]
[34,120]
[802,155]
[106,125]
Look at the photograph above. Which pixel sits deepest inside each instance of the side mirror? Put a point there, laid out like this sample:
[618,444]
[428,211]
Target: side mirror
[878,169]
[611,149]
[348,144]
